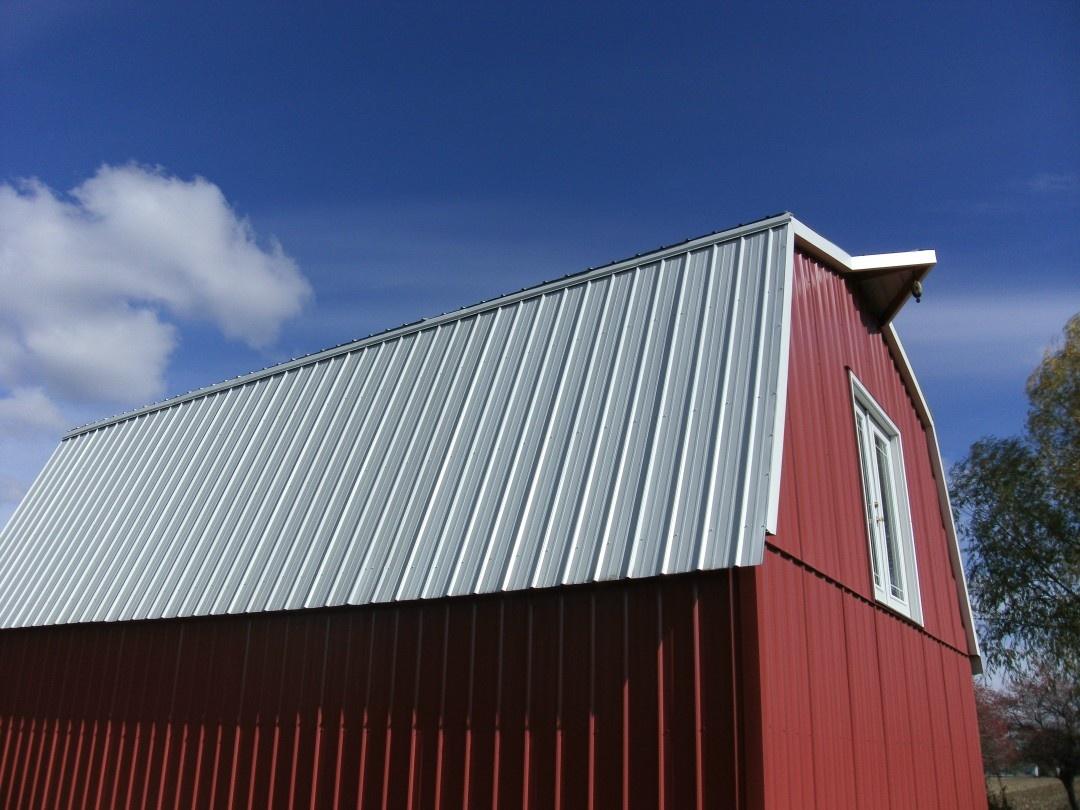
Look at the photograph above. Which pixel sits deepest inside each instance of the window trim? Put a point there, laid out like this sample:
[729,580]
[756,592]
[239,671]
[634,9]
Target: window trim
[910,604]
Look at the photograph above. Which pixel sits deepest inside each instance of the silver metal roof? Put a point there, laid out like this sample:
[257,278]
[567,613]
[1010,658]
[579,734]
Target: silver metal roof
[621,423]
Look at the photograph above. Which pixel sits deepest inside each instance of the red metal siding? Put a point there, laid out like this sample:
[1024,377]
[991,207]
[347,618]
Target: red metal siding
[821,518]
[623,695]
[860,707]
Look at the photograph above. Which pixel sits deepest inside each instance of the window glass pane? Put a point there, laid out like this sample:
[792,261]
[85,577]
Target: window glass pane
[888,519]
[868,483]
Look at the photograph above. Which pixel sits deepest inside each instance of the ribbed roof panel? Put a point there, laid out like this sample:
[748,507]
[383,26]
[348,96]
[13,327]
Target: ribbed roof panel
[617,424]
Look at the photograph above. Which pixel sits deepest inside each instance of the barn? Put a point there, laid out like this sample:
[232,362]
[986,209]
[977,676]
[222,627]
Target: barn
[671,532]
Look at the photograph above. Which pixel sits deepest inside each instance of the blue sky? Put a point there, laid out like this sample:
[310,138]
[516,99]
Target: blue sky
[369,166]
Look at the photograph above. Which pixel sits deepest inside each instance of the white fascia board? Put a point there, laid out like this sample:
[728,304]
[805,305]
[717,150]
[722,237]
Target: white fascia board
[814,242]
[893,261]
[896,348]
[869,265]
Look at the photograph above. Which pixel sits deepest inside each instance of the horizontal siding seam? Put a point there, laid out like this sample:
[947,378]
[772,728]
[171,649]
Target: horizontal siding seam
[858,596]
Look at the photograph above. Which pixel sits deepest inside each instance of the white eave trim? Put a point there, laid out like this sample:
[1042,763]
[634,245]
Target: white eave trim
[893,261]
[816,244]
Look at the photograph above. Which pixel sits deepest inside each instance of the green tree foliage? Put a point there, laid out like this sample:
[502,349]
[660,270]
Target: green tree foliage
[1018,504]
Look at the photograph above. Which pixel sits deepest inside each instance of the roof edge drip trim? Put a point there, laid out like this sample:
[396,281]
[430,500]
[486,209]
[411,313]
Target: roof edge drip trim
[426,323]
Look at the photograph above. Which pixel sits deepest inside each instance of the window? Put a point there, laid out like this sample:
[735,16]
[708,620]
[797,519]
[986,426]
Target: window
[885,498]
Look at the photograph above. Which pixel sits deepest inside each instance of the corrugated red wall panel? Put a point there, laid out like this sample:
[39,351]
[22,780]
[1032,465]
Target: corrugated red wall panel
[821,513]
[624,695]
[860,708]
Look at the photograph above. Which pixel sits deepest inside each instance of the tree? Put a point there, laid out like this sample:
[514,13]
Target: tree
[999,751]
[1043,707]
[1018,510]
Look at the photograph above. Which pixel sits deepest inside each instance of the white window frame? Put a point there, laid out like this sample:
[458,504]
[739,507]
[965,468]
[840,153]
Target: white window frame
[888,514]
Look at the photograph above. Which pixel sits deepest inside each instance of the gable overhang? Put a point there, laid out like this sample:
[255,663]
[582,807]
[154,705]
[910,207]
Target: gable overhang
[885,282]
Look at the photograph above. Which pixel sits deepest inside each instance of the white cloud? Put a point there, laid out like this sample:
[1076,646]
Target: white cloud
[95,280]
[96,286]
[26,411]
[991,336]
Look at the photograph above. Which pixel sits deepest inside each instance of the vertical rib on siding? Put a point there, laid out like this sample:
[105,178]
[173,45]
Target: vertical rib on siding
[603,696]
